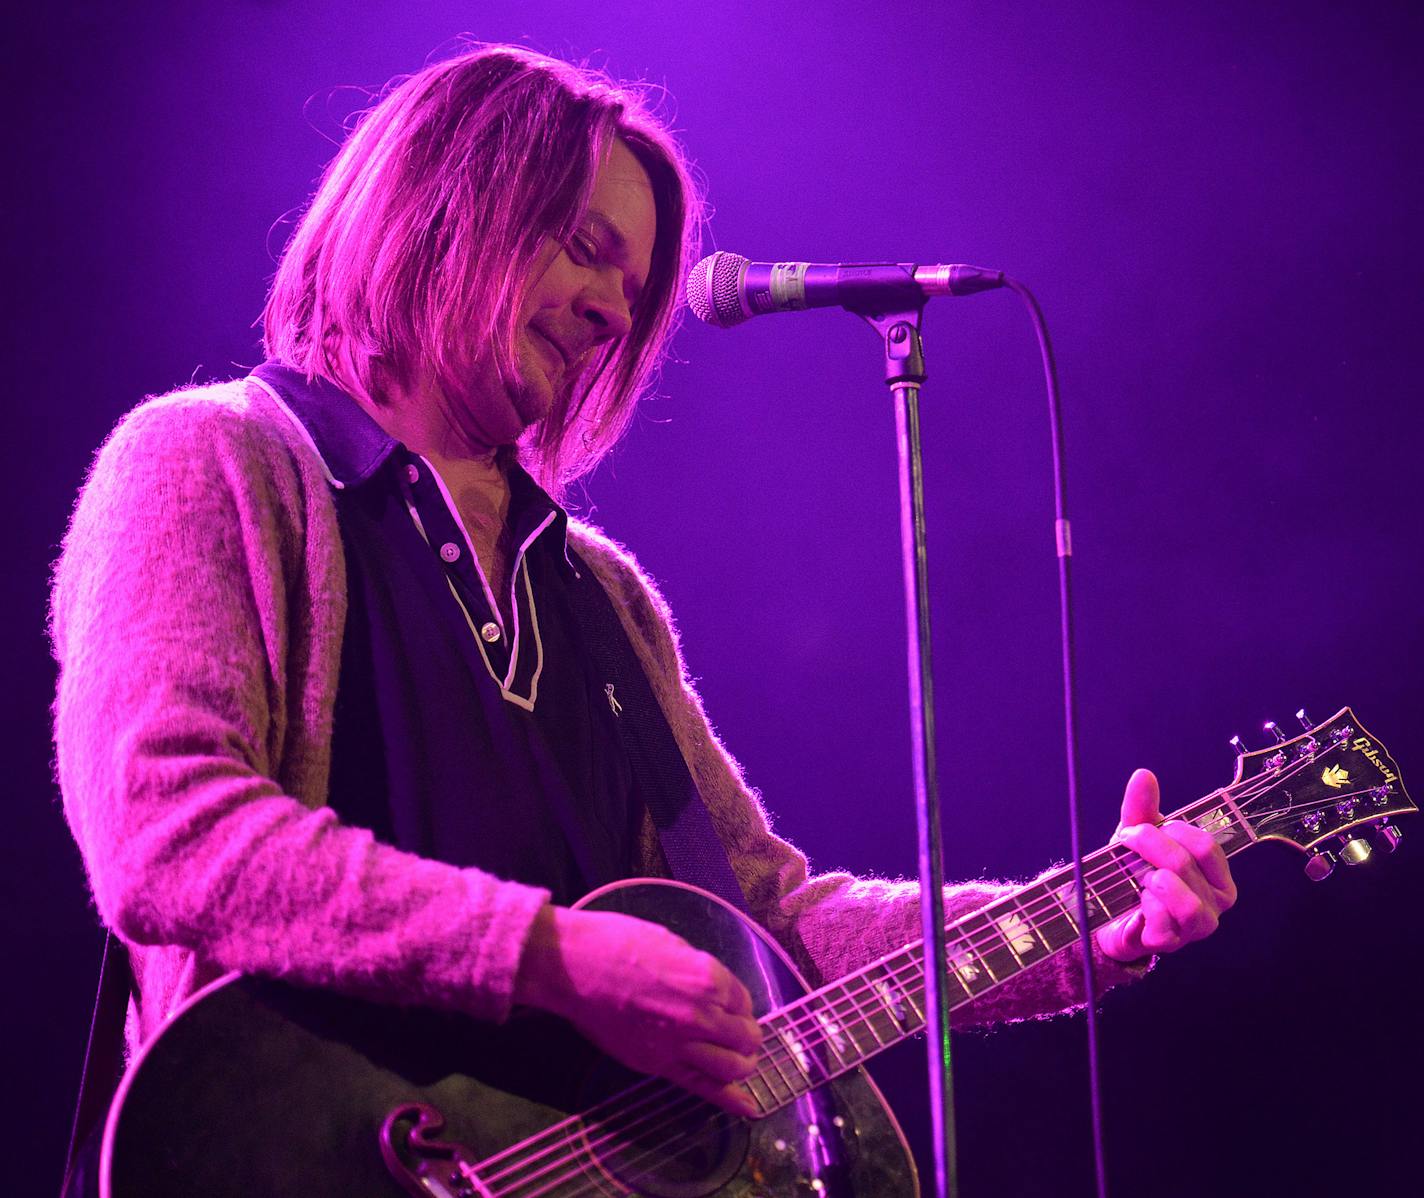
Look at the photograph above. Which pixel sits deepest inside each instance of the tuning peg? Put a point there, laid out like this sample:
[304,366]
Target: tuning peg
[1275,731]
[1305,721]
[1355,851]
[1320,865]
[1387,838]
[1238,745]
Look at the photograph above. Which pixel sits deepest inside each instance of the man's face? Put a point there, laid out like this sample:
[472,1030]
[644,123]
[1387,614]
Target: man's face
[581,297]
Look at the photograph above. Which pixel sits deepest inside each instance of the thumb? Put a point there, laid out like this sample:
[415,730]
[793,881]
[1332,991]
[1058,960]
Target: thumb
[1142,800]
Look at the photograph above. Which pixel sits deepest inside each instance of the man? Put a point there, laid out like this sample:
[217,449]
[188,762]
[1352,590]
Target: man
[327,710]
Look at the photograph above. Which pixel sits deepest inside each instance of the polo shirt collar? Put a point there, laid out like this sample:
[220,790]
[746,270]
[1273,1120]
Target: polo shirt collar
[352,447]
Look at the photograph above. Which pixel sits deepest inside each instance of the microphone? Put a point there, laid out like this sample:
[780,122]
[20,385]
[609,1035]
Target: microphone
[725,289]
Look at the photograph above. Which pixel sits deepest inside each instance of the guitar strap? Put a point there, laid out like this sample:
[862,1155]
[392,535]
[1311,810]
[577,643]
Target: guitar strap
[103,1067]
[661,777]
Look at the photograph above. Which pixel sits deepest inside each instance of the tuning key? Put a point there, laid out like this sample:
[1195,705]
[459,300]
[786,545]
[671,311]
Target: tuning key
[1387,838]
[1355,851]
[1320,865]
[1309,746]
[1275,731]
[1238,745]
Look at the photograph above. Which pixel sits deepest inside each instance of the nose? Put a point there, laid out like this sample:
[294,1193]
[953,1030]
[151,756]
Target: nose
[603,304]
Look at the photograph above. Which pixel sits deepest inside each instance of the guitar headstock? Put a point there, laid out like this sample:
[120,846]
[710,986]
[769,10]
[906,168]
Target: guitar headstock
[1321,791]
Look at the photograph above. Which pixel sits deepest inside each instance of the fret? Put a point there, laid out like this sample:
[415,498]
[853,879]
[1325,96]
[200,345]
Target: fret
[1008,935]
[768,1102]
[829,1020]
[1097,909]
[1220,816]
[1120,871]
[896,1004]
[1055,926]
[865,1037]
[1136,867]
[1067,895]
[808,1065]
[1063,897]
[859,1011]
[982,931]
[1133,870]
[782,1088]
[912,978]
[966,964]
[872,1014]
[779,1076]
[1020,930]
[957,993]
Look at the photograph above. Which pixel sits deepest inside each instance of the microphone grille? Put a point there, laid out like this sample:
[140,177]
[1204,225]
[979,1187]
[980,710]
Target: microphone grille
[714,289]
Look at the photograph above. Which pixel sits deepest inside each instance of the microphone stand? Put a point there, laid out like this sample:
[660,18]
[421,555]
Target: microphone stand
[904,374]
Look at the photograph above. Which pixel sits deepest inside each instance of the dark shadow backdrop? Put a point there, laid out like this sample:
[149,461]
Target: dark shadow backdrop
[1217,204]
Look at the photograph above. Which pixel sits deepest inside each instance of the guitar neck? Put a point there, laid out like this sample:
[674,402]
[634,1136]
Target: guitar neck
[842,1025]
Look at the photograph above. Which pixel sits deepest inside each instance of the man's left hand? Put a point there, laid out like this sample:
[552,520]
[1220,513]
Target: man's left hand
[1183,898]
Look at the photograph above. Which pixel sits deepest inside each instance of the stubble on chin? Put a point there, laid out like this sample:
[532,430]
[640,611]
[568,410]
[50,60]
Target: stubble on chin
[534,391]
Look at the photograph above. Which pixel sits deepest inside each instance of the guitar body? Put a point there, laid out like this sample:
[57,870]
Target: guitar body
[260,1088]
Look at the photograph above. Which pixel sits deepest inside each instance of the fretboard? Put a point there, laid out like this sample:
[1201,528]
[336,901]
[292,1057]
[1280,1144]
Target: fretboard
[842,1025]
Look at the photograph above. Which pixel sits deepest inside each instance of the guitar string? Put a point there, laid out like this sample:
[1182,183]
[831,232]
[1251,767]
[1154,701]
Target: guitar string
[850,997]
[829,1074]
[654,1157]
[835,1053]
[817,1050]
[848,1002]
[1332,800]
[629,1172]
[587,1140]
[852,991]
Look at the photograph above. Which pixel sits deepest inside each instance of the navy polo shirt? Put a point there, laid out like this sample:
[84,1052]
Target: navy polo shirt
[458,736]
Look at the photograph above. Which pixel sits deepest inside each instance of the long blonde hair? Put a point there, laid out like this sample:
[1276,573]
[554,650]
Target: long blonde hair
[413,256]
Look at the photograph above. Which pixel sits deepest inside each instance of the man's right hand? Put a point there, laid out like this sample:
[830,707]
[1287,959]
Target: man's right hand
[645,997]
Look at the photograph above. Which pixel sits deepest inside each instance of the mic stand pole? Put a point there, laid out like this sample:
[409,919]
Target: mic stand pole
[904,373]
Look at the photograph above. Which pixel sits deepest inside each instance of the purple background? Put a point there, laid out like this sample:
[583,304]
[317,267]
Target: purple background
[1217,204]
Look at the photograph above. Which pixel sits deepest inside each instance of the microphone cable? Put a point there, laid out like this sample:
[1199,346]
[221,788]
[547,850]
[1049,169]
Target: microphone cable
[1064,542]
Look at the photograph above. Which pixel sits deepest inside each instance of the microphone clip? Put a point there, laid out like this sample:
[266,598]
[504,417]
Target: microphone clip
[904,349]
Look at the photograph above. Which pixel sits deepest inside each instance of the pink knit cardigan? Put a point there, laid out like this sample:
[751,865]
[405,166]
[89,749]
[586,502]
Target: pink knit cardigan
[197,619]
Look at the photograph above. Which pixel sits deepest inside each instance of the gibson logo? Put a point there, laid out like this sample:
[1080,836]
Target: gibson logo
[1364,745]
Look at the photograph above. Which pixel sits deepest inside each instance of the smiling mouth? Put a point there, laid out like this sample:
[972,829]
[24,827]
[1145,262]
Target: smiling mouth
[560,356]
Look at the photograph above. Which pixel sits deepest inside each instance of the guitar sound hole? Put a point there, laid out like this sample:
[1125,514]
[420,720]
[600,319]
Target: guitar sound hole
[683,1148]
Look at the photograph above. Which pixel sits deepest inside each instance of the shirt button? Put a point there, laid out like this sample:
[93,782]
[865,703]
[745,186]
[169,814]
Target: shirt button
[412,475]
[490,632]
[450,551]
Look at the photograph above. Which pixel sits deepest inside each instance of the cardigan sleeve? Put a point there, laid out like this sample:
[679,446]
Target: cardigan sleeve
[196,618]
[832,923]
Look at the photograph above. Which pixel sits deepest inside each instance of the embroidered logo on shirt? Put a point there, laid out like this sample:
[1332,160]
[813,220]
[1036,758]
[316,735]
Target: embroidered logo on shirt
[613,704]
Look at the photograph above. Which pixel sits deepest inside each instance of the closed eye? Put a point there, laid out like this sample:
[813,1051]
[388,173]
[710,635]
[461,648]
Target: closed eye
[583,248]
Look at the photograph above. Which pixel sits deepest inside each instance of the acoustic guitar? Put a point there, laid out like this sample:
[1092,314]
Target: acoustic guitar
[258,1088]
